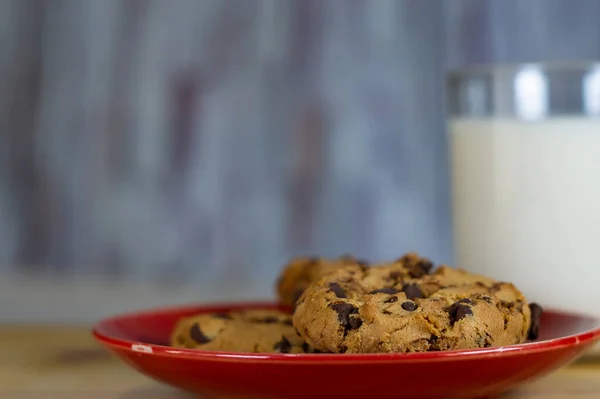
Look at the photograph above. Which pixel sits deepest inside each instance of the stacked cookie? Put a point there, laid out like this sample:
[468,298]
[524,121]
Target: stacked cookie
[345,306]
[255,330]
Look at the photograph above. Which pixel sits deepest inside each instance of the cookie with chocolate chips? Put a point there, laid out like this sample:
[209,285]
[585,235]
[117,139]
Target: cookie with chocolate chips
[405,306]
[258,331]
[302,271]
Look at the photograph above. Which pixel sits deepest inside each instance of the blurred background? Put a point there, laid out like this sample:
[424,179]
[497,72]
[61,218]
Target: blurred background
[166,151]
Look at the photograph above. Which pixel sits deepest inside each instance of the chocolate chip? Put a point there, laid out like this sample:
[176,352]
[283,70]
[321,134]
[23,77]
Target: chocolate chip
[486,298]
[343,310]
[459,311]
[534,327]
[412,291]
[510,306]
[463,311]
[433,344]
[488,340]
[420,269]
[346,317]
[386,290]
[343,349]
[337,290]
[496,287]
[355,322]
[426,265]
[306,348]
[392,299]
[465,300]
[283,346]
[197,335]
[409,306]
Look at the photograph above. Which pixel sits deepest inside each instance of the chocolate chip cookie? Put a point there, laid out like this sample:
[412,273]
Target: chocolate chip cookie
[404,307]
[258,331]
[302,271]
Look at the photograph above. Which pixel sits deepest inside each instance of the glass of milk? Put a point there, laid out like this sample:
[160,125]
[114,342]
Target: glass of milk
[524,146]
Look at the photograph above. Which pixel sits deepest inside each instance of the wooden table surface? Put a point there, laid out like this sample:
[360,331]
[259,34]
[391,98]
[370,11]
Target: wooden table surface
[64,362]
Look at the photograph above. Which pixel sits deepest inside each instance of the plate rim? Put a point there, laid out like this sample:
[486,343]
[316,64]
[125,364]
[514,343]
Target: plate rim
[149,349]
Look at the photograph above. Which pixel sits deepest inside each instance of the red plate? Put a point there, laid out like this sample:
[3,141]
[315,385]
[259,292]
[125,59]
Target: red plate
[140,339]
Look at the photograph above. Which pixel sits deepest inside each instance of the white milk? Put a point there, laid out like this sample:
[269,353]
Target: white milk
[526,205]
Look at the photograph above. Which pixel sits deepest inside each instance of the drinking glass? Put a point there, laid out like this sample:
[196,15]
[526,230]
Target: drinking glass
[524,144]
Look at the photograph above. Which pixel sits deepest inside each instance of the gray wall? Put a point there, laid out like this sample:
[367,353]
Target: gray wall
[200,140]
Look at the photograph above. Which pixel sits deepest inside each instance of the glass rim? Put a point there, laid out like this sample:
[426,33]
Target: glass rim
[513,67]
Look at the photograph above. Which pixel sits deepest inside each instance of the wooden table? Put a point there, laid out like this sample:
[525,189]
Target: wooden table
[47,362]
